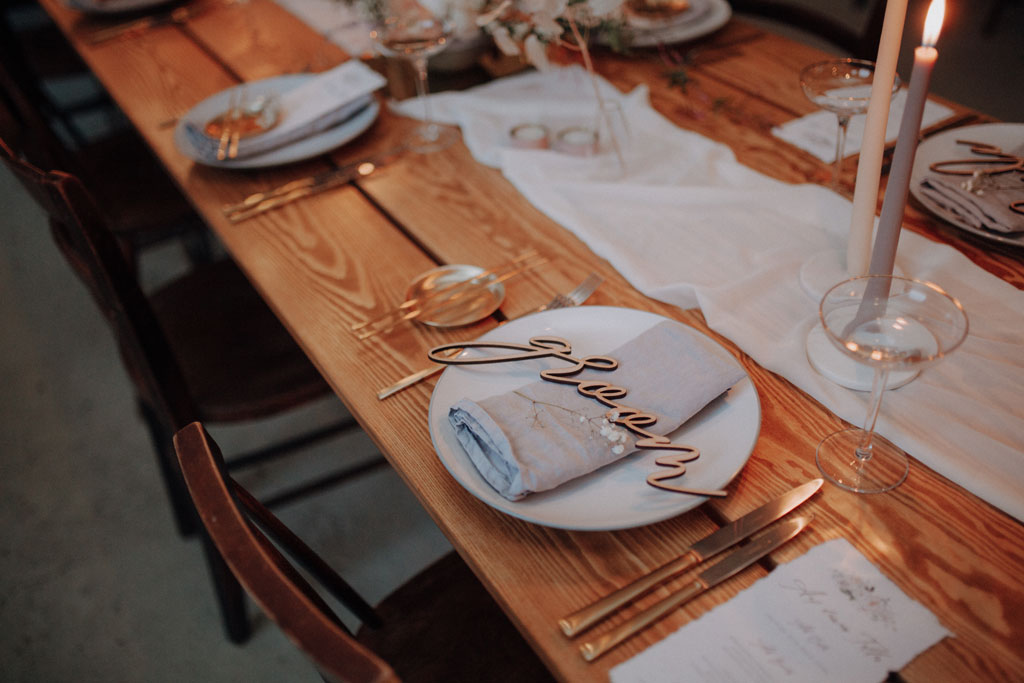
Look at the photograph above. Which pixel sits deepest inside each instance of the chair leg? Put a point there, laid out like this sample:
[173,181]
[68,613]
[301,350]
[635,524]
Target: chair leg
[230,595]
[184,512]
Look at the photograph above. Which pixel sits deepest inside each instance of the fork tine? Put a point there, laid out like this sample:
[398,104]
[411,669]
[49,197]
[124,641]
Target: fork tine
[585,289]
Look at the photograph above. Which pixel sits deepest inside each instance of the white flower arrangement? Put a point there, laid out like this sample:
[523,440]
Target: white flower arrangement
[533,24]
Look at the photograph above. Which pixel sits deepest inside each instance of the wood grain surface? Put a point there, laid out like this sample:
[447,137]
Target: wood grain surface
[329,261]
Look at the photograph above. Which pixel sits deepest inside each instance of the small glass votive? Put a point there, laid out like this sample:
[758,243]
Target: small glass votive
[529,136]
[614,136]
[577,140]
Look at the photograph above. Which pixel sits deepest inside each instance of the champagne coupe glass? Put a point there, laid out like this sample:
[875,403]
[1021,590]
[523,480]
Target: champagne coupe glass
[416,31]
[842,86]
[888,323]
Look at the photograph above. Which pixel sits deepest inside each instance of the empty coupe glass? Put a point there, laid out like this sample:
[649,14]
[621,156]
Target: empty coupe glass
[888,323]
[842,86]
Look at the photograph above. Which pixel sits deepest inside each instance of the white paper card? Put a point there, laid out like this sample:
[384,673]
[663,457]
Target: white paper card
[816,133]
[827,616]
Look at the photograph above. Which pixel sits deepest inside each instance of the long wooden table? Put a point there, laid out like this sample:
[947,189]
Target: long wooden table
[331,260]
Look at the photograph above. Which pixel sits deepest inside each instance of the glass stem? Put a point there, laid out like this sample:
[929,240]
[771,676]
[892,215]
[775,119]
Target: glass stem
[844,125]
[881,379]
[420,65]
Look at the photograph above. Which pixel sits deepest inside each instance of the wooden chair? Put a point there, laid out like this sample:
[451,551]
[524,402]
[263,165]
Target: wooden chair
[35,51]
[440,626]
[136,197]
[860,42]
[204,346]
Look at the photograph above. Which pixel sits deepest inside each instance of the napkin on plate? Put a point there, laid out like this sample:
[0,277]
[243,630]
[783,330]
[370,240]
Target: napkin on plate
[544,434]
[320,103]
[987,207]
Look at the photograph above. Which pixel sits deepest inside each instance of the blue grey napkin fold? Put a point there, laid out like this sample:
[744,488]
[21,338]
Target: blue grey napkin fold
[987,207]
[544,434]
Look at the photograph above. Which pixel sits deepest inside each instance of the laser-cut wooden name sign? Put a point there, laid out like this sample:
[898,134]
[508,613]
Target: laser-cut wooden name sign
[605,393]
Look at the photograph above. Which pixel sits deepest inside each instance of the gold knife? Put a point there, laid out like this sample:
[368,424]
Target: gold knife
[260,202]
[178,16]
[714,543]
[730,566]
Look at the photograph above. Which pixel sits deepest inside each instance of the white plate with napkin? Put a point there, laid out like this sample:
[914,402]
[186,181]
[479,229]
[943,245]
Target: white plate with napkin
[944,201]
[616,496]
[317,112]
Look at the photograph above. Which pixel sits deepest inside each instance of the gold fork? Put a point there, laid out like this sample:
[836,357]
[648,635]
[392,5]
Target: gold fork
[229,126]
[574,298]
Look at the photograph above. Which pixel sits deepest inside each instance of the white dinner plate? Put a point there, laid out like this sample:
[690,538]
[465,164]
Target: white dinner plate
[115,6]
[703,22]
[300,150]
[943,146]
[694,11]
[616,496]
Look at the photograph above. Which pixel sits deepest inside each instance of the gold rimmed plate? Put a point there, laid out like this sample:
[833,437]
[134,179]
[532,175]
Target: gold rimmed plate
[466,308]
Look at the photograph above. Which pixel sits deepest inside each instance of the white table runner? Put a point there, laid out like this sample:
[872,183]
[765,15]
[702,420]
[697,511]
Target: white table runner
[691,226]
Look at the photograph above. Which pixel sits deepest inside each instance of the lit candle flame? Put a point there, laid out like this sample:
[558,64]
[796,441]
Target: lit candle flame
[933,23]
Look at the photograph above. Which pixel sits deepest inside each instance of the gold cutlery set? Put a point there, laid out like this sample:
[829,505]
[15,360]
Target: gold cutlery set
[263,201]
[573,298]
[448,297]
[732,534]
[178,15]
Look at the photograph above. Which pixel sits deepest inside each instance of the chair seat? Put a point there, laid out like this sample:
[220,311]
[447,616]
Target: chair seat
[442,625]
[238,360]
[120,164]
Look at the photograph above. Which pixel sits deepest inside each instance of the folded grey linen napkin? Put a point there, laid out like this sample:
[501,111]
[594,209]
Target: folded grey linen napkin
[545,434]
[316,105]
[987,207]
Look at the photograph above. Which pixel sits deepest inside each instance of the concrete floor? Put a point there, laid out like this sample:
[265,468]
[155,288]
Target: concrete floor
[95,584]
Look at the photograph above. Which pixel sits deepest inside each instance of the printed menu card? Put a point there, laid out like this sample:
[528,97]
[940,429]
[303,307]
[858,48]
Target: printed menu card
[829,615]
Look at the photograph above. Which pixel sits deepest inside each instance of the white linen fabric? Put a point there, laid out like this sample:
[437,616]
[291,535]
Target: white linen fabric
[545,433]
[322,102]
[691,226]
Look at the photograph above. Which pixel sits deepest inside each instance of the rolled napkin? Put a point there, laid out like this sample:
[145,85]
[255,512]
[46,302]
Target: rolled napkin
[322,102]
[545,434]
[986,206]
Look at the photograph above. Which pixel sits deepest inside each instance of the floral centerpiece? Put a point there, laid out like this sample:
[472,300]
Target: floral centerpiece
[535,24]
[527,27]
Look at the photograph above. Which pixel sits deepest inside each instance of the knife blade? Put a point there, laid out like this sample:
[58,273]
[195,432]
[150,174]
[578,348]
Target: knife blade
[177,16]
[266,200]
[326,181]
[724,538]
[730,566]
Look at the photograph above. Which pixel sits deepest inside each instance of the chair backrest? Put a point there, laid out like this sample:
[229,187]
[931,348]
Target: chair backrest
[97,258]
[22,125]
[237,523]
[861,42]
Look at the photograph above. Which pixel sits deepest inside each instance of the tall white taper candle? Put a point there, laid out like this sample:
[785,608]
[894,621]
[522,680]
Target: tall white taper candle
[883,254]
[869,164]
